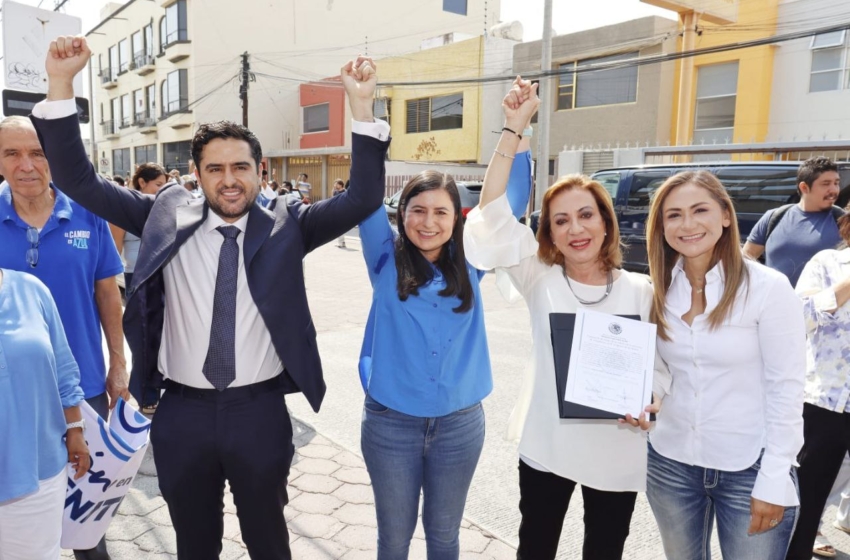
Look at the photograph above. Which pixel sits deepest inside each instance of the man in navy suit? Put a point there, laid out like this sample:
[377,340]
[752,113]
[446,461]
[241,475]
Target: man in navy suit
[205,315]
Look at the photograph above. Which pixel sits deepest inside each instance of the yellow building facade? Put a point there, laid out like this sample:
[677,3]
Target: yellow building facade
[434,122]
[726,96]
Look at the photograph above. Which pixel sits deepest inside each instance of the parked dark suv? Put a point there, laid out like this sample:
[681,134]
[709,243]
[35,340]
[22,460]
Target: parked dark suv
[755,188]
[470,194]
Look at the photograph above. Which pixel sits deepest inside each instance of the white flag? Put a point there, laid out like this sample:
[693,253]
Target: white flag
[117,449]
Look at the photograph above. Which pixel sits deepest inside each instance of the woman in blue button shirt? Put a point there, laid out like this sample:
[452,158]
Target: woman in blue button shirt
[424,364]
[38,379]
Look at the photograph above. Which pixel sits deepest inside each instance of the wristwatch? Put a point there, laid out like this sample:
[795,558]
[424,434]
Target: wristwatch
[77,424]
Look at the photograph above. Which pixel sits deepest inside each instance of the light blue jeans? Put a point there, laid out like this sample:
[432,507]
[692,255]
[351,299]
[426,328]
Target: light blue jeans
[686,499]
[408,454]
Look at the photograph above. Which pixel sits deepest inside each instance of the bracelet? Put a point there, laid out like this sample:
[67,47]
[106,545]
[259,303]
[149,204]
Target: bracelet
[77,424]
[503,155]
[506,129]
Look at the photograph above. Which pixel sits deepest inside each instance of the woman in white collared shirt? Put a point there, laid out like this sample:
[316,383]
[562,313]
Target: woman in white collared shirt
[732,334]
[824,286]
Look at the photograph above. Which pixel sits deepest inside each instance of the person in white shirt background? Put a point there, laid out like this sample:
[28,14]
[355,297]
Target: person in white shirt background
[732,333]
[266,191]
[574,262]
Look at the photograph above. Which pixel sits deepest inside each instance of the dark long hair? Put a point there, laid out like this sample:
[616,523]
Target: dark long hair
[413,269]
[147,172]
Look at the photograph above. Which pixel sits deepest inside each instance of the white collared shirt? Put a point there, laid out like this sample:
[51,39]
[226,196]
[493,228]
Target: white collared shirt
[736,389]
[189,293]
[828,356]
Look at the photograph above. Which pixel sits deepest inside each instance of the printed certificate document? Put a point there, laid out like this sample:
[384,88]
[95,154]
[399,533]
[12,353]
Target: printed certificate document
[611,363]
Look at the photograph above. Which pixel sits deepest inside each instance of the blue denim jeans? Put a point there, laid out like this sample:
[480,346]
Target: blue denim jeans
[686,500]
[407,454]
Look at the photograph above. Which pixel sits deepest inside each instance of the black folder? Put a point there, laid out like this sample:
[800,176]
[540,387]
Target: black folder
[562,326]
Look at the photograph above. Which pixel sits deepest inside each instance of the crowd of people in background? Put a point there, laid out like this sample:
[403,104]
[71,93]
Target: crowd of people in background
[747,428]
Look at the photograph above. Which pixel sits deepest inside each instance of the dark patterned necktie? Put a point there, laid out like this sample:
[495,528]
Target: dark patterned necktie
[220,363]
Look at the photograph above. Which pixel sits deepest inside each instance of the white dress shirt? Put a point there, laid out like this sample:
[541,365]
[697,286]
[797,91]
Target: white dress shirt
[601,454]
[828,326]
[189,294]
[737,389]
[190,289]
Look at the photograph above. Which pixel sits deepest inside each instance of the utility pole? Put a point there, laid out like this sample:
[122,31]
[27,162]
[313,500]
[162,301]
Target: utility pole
[243,88]
[545,111]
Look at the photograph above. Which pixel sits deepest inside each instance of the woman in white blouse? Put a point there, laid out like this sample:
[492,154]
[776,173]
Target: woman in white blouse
[575,264]
[824,286]
[731,332]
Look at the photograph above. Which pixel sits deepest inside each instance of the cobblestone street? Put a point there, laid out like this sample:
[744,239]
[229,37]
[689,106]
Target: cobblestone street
[330,514]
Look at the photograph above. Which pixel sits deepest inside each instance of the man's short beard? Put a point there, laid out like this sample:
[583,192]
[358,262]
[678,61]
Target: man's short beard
[215,207]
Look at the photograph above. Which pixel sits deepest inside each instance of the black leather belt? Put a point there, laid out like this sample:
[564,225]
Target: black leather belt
[267,386]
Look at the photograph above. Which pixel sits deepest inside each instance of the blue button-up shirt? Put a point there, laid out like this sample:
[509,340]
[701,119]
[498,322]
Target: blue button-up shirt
[419,357]
[38,378]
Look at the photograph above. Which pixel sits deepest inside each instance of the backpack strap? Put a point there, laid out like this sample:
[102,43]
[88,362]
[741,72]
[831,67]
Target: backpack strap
[774,220]
[837,212]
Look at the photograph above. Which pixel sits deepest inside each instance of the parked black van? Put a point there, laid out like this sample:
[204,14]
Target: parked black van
[755,188]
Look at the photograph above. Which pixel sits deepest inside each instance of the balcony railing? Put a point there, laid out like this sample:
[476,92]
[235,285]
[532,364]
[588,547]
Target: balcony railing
[108,128]
[142,59]
[144,119]
[107,76]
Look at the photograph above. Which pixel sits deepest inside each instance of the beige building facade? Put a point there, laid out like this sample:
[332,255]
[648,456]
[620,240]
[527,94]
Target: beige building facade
[619,106]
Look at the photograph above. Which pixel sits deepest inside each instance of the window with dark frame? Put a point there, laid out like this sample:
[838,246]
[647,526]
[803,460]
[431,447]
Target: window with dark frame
[175,92]
[113,63]
[176,155]
[126,111]
[145,154]
[434,113]
[121,162]
[139,107]
[123,55]
[173,26]
[138,44]
[316,118]
[593,88]
[447,112]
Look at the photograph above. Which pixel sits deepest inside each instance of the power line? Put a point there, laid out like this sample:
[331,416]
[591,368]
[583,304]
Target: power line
[654,59]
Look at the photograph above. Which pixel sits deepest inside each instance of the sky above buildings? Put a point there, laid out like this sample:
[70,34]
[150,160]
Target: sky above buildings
[568,16]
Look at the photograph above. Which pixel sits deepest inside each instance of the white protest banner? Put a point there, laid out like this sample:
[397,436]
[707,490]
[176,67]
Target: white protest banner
[27,33]
[117,450]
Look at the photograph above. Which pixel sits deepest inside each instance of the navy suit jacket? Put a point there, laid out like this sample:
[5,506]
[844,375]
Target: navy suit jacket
[276,240]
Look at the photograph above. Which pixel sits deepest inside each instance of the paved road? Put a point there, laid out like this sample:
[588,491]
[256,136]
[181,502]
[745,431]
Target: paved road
[335,276]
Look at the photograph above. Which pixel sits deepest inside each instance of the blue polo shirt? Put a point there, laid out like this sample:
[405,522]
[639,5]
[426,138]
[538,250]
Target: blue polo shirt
[75,250]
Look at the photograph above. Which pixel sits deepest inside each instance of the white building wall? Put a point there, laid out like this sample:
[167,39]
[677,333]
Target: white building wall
[289,42]
[296,41]
[796,114]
